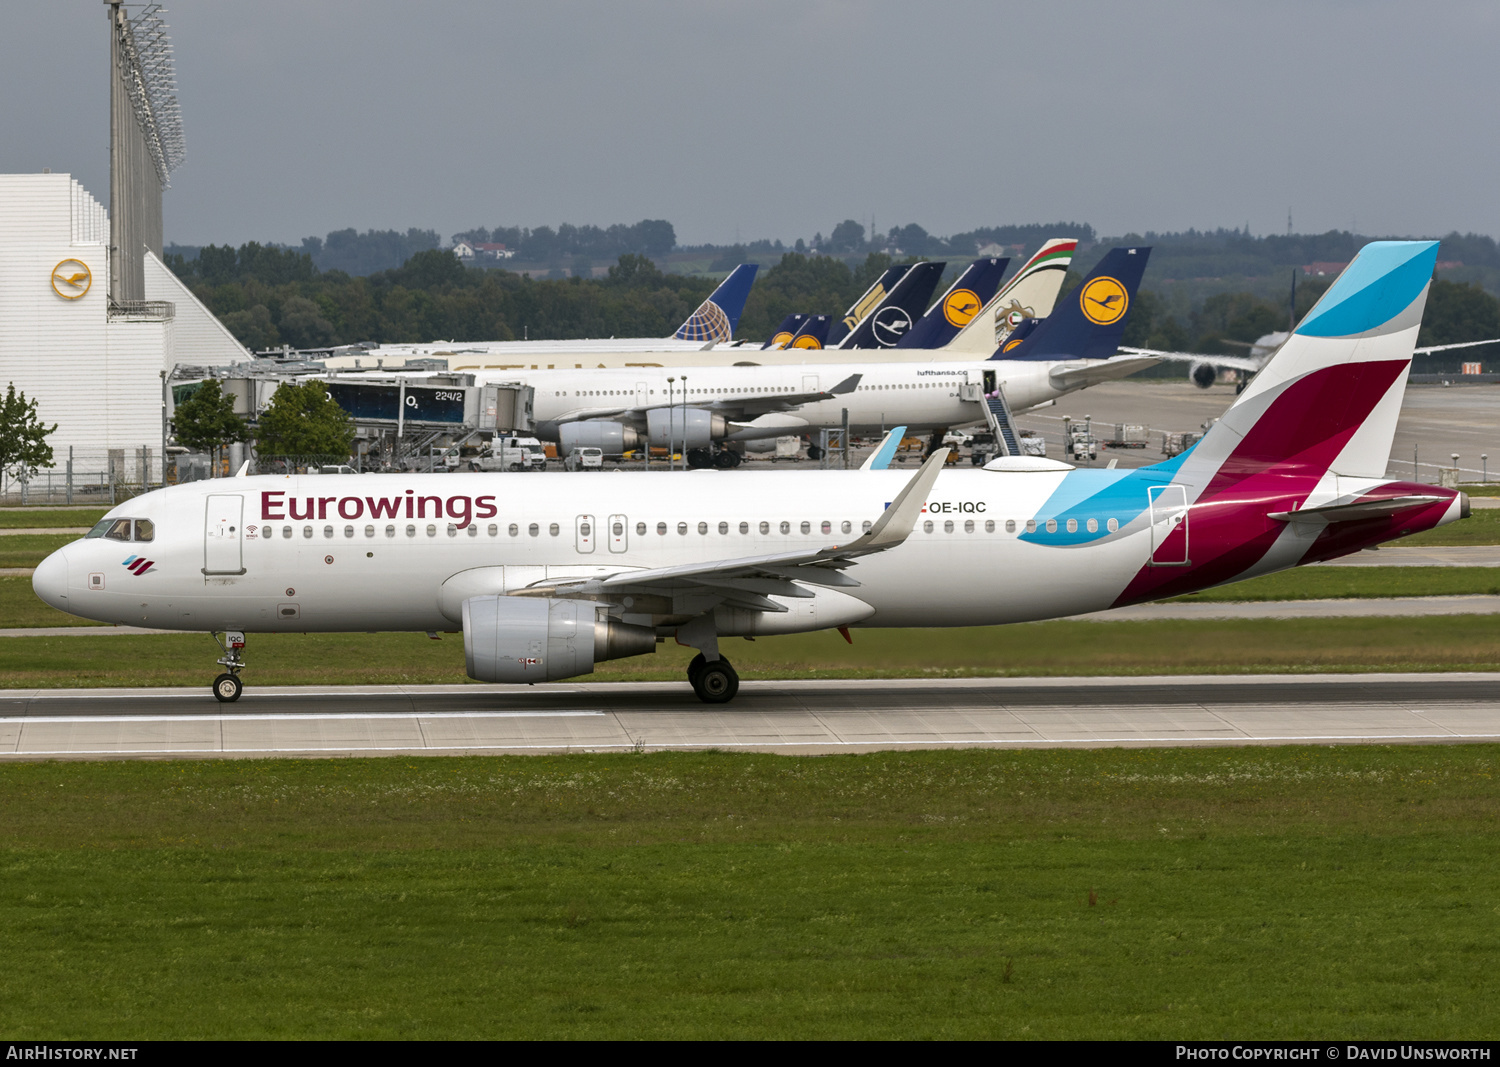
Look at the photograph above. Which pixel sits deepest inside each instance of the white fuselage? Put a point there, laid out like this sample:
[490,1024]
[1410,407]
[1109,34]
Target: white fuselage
[965,563]
[920,396]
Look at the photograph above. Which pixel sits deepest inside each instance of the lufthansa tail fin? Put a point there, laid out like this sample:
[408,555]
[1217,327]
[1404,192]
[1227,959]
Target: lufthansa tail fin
[814,333]
[717,317]
[785,332]
[894,316]
[1031,293]
[964,299]
[1091,320]
[867,302]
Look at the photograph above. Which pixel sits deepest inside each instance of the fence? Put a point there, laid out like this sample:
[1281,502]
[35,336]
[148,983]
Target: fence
[88,476]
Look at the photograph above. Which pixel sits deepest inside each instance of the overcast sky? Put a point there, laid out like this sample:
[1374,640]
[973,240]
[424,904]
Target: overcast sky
[779,119]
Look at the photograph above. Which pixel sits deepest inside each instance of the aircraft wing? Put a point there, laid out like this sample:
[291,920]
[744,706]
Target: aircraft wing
[1444,348]
[1082,375]
[749,406]
[747,581]
[1236,362]
[737,408]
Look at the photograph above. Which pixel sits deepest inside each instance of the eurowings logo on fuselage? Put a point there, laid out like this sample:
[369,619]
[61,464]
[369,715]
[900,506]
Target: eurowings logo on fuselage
[138,565]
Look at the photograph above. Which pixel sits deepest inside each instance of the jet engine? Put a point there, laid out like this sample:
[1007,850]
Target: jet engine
[1203,374]
[685,427]
[531,639]
[613,438]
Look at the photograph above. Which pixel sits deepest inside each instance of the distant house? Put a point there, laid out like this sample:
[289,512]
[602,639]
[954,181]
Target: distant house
[994,250]
[490,250]
[1319,269]
[463,250]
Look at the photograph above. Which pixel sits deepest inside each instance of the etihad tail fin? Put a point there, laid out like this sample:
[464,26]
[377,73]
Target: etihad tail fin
[716,318]
[957,307]
[785,332]
[894,316]
[868,302]
[1031,293]
[1091,321]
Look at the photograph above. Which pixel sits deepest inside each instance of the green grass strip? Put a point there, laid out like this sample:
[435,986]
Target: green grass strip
[48,518]
[1325,583]
[1274,893]
[1198,646]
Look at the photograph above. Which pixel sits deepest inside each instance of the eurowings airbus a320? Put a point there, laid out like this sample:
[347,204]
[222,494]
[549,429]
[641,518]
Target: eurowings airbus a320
[547,575]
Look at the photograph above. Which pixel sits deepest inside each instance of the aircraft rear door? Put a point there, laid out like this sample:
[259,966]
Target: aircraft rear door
[619,533]
[223,536]
[1169,526]
[642,395]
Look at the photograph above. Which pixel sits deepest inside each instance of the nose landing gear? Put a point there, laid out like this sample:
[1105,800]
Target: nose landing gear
[227,687]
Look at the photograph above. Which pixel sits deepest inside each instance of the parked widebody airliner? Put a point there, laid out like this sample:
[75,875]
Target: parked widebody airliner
[1031,292]
[716,413]
[548,574]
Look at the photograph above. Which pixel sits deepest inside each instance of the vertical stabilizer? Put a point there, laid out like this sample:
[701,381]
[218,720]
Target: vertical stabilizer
[1091,320]
[1031,293]
[956,308]
[717,317]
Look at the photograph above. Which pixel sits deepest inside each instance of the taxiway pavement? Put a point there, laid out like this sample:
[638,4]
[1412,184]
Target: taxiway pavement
[803,717]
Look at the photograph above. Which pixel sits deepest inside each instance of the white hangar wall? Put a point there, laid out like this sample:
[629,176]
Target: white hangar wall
[94,370]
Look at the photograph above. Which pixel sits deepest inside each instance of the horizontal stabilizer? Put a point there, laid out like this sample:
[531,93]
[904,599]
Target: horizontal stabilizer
[1359,509]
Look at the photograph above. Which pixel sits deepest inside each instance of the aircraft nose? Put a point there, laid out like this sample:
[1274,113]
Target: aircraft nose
[50,580]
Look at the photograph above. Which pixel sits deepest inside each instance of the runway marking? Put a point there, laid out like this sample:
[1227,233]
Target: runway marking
[829,742]
[301,716]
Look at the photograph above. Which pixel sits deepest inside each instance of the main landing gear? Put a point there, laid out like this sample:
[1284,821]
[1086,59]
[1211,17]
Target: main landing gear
[227,686]
[714,683]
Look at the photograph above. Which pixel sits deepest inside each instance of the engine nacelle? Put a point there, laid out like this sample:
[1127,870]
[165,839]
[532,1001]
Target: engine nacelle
[613,438]
[680,428]
[1203,374]
[532,639]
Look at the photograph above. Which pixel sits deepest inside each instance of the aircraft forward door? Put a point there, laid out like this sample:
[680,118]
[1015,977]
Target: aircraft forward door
[619,533]
[642,395]
[223,536]
[1169,525]
[585,533]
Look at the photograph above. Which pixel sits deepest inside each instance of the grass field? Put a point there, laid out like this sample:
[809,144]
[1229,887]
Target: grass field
[1482,527]
[20,606]
[1324,583]
[1201,893]
[27,550]
[28,518]
[1456,642]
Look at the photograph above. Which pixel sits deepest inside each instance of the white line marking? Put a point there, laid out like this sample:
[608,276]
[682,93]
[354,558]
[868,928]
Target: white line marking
[302,717]
[581,748]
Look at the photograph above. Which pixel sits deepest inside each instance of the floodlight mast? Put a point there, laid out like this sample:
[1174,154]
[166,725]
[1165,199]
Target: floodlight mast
[145,142]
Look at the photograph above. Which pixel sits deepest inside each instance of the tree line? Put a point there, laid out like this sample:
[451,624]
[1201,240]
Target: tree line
[269,297]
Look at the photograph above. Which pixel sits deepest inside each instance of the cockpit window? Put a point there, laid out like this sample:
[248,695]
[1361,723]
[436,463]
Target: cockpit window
[119,530]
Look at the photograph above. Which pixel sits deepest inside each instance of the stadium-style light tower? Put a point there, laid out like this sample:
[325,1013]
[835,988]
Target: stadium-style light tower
[145,141]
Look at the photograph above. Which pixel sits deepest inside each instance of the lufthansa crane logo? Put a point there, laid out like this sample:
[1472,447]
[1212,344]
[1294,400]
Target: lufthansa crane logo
[961,307]
[890,325]
[71,279]
[780,340]
[1104,301]
[807,340]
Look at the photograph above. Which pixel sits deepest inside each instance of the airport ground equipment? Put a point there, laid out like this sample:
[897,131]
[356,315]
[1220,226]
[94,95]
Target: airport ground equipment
[1128,435]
